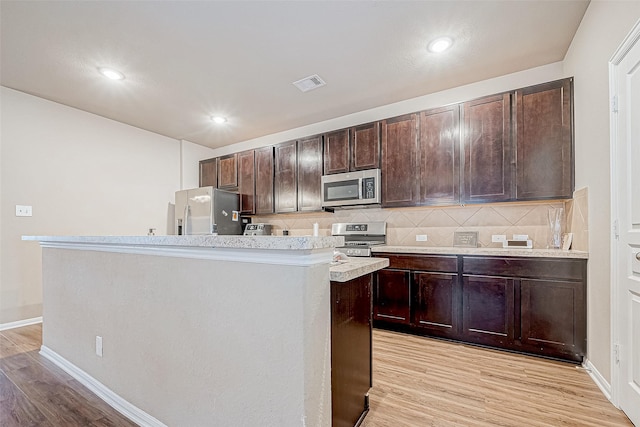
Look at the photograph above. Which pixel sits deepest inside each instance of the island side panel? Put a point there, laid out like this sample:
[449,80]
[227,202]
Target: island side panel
[195,342]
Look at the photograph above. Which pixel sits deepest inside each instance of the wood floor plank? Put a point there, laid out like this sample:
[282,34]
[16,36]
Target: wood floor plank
[420,381]
[29,338]
[16,409]
[31,384]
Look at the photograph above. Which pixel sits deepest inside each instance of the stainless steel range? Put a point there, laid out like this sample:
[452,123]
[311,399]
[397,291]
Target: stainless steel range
[360,236]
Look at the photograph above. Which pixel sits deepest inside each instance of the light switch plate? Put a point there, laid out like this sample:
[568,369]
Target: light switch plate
[497,238]
[22,210]
[421,237]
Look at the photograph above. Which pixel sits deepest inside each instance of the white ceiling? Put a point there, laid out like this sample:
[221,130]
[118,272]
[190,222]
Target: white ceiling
[185,61]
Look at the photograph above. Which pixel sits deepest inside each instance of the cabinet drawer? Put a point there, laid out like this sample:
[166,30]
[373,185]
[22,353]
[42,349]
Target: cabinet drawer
[545,268]
[445,264]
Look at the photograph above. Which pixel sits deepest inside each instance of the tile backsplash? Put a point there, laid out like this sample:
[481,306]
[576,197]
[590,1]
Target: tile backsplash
[440,223]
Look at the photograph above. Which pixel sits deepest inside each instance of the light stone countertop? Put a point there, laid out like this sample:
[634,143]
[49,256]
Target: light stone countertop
[355,267]
[202,241]
[533,253]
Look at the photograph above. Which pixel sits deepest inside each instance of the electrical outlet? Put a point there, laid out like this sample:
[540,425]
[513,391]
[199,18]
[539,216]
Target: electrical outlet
[421,237]
[520,237]
[22,210]
[497,238]
[98,346]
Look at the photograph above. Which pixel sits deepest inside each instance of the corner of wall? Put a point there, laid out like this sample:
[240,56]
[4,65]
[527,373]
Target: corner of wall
[190,156]
[578,219]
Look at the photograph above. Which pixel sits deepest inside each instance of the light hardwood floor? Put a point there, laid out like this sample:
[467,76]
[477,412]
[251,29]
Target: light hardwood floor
[418,382]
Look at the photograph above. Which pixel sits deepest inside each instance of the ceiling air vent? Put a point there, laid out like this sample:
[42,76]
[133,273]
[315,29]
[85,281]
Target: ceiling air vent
[309,83]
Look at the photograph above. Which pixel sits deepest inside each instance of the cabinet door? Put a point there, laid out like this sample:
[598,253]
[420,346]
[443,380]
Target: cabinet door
[286,178]
[488,162]
[391,297]
[365,146]
[264,180]
[553,317]
[440,156]
[246,181]
[336,152]
[208,173]
[228,171]
[350,349]
[488,310]
[545,141]
[310,174]
[434,303]
[399,161]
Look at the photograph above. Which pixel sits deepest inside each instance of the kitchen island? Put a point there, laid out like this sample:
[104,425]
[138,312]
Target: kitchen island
[195,330]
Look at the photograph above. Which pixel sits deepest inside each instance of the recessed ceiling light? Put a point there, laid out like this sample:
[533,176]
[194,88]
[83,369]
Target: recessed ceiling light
[440,44]
[219,119]
[110,73]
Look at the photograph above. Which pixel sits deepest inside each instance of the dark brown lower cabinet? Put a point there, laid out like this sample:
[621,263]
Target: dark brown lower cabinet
[434,306]
[351,363]
[392,296]
[487,314]
[531,305]
[546,303]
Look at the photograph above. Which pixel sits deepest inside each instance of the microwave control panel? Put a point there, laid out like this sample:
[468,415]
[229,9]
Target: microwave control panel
[368,188]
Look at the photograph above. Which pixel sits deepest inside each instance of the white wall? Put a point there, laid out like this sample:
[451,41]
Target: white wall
[603,28]
[190,156]
[209,345]
[83,175]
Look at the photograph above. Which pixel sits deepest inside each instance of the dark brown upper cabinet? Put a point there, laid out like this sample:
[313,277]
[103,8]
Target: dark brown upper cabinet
[512,146]
[228,171]
[440,156]
[264,180]
[310,173]
[544,140]
[246,181]
[357,148]
[286,177]
[400,184]
[365,146]
[209,172]
[336,152]
[487,172]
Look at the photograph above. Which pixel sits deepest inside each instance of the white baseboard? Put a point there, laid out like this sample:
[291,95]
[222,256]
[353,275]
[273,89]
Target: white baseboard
[597,378]
[130,411]
[20,323]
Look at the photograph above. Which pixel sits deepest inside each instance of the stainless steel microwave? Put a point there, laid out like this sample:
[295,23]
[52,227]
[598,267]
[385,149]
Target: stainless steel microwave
[351,188]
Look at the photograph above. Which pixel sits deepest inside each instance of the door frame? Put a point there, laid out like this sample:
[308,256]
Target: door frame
[616,285]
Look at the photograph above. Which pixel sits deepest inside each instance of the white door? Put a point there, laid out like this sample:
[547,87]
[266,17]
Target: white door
[625,122]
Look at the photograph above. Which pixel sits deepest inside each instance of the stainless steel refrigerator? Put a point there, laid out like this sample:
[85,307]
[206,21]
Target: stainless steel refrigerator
[207,210]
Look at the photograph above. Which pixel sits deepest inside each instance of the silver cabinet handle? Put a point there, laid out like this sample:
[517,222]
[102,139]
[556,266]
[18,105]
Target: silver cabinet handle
[638,256]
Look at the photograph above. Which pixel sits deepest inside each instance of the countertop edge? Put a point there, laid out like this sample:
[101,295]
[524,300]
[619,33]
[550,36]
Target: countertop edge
[508,252]
[355,267]
[289,243]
